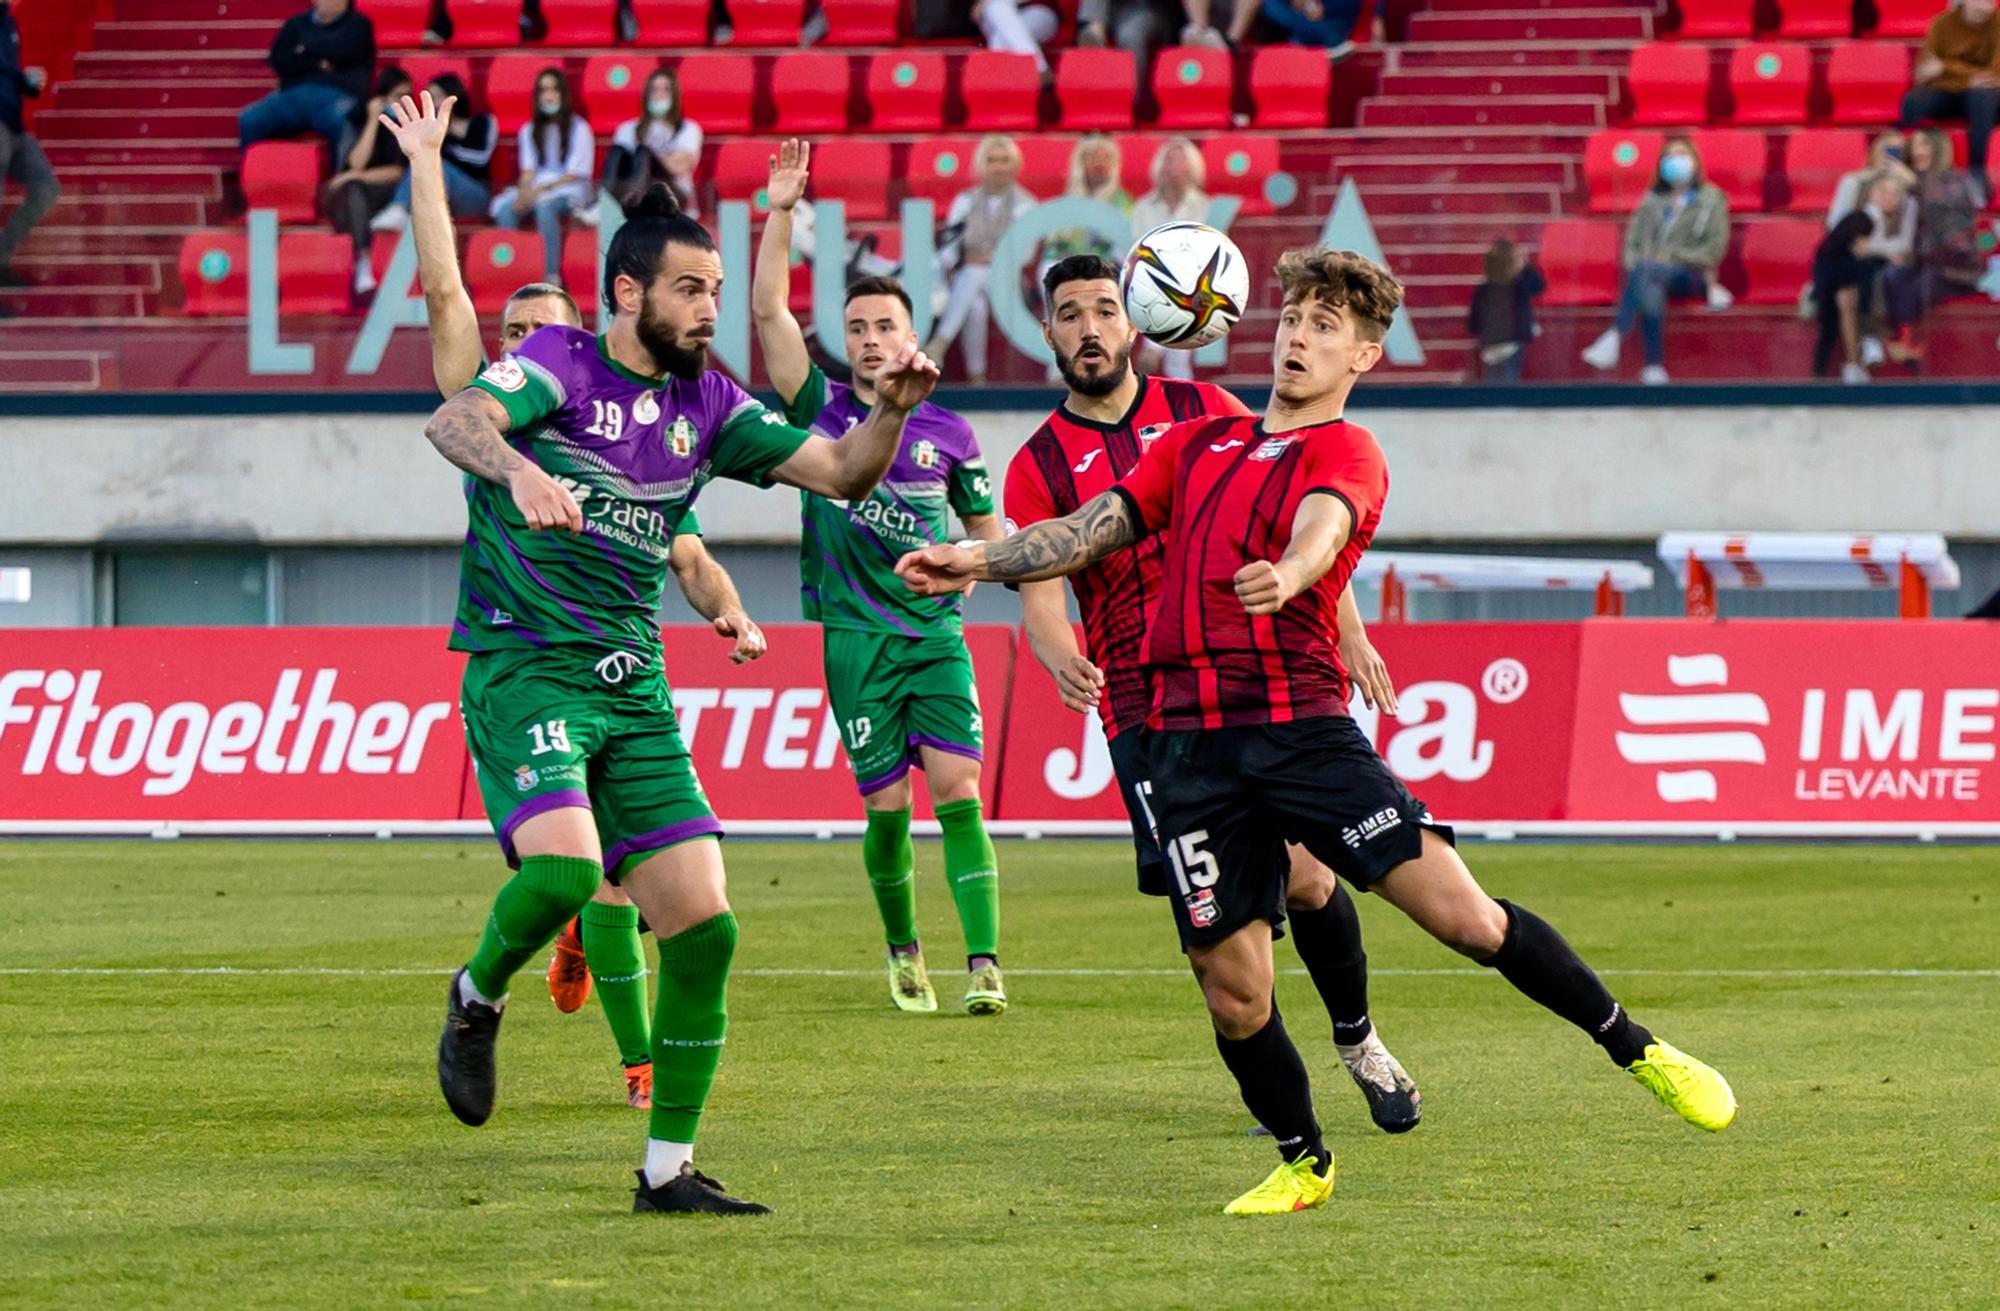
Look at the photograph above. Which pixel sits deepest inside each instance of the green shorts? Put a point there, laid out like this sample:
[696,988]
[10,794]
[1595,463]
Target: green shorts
[893,695]
[564,727]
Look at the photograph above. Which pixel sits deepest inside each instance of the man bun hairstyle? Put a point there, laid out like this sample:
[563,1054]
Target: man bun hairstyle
[1075,268]
[880,285]
[653,221]
[1343,280]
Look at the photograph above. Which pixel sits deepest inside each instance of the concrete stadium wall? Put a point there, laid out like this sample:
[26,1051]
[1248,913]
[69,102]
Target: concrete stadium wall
[1505,475]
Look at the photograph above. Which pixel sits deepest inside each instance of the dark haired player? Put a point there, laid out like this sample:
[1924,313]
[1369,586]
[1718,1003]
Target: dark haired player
[1091,441]
[604,941]
[897,671]
[1249,744]
[567,709]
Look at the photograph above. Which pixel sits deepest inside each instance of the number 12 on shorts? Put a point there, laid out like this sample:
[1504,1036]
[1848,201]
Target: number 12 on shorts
[1193,867]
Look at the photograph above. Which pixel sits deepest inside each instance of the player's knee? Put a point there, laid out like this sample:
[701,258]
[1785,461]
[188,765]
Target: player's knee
[963,787]
[1475,929]
[896,796]
[1310,884]
[1237,1013]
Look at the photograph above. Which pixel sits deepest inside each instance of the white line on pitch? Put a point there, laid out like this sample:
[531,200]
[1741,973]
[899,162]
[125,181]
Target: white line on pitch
[337,972]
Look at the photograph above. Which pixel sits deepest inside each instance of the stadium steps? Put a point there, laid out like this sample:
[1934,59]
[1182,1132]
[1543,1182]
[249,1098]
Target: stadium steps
[147,95]
[234,36]
[1447,56]
[1477,110]
[1526,26]
[1600,83]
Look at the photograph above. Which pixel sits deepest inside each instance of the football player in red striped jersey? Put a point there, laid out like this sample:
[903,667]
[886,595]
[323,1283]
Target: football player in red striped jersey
[1248,741]
[1086,445]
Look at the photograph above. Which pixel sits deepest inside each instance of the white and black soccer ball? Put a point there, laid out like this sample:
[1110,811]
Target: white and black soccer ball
[1185,285]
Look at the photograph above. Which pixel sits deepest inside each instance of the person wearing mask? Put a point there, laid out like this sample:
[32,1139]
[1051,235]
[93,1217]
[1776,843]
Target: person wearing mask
[1957,75]
[1501,317]
[1947,259]
[22,160]
[372,167]
[323,59]
[558,155]
[1673,245]
[661,145]
[1179,174]
[979,216]
[466,156]
[1841,273]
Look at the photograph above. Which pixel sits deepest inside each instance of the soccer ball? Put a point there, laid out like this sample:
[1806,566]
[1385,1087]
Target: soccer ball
[1185,285]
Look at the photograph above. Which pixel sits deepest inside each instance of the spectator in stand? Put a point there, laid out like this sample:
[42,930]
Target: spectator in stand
[1094,170]
[661,145]
[1887,153]
[1179,174]
[1958,75]
[372,168]
[1673,245]
[467,156]
[558,156]
[1501,317]
[1842,272]
[1142,26]
[22,160]
[979,216]
[323,59]
[1948,261]
[1015,27]
[1326,23]
[1219,24]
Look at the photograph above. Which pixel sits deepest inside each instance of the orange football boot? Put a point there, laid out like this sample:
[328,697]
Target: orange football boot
[569,976]
[639,1086]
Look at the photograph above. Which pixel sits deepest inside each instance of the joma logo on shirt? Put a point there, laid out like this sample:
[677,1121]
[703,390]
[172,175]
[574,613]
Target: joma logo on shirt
[1372,827]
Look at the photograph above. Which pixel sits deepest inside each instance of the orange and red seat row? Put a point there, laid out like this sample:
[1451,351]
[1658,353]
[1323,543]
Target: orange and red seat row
[1805,19]
[1673,84]
[662,23]
[1769,260]
[1789,171]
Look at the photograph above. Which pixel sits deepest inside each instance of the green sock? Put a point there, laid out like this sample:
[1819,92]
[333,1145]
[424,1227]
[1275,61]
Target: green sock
[543,896]
[974,874]
[692,1014]
[891,863]
[617,961]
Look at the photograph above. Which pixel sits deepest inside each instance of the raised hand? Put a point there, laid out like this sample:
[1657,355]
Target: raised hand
[906,381]
[419,129]
[789,171]
[937,570]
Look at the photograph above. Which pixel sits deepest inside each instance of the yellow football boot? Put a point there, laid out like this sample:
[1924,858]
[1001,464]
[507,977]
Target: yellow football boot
[1697,1093]
[910,983]
[1293,1186]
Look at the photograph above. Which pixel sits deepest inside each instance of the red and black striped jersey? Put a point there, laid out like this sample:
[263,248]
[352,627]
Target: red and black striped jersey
[1069,461]
[1226,493]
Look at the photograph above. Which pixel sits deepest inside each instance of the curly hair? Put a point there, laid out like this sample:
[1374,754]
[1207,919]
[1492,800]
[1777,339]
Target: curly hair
[1343,280]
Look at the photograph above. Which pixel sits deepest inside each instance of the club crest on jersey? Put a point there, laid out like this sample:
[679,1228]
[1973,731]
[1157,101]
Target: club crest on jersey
[680,438]
[924,455]
[1272,449]
[1151,432]
[646,409]
[506,375]
[526,778]
[1201,907]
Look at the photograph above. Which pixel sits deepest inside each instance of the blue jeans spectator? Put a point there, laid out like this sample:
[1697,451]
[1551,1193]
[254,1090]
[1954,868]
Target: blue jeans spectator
[23,162]
[463,193]
[550,207]
[1648,288]
[307,107]
[1332,27]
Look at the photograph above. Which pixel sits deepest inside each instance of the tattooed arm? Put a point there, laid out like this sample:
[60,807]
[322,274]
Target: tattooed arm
[1049,549]
[469,431]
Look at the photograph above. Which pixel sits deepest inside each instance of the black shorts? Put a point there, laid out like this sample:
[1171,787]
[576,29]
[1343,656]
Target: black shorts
[1228,799]
[1128,762]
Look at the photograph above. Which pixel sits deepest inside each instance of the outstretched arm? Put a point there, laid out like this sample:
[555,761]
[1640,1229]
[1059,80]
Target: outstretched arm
[469,430]
[712,592]
[1050,549]
[454,327]
[1319,530]
[850,468]
[778,333]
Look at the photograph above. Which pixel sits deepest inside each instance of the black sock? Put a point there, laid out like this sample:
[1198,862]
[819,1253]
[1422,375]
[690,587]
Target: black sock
[1535,959]
[1329,942]
[1276,1088]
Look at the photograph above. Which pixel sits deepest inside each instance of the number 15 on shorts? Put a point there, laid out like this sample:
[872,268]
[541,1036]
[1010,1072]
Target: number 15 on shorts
[1193,867]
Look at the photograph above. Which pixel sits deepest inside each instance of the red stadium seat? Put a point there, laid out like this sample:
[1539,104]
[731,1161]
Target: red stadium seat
[215,270]
[742,167]
[1239,165]
[476,23]
[671,23]
[575,23]
[497,261]
[1815,161]
[767,22]
[1735,160]
[810,92]
[398,23]
[1728,19]
[856,172]
[1777,257]
[581,268]
[1044,164]
[862,22]
[939,169]
[1866,80]
[1669,84]
[1289,85]
[1580,260]
[612,87]
[1770,82]
[510,87]
[906,91]
[1618,165]
[285,176]
[1802,20]
[315,273]
[1905,17]
[720,91]
[1094,90]
[1003,92]
[425,67]
[1193,86]
[1135,156]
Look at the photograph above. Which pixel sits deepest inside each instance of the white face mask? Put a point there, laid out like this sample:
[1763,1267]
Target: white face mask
[550,104]
[659,106]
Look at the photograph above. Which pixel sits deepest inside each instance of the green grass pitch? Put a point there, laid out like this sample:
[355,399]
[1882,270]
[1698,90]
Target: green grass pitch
[275,1137]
